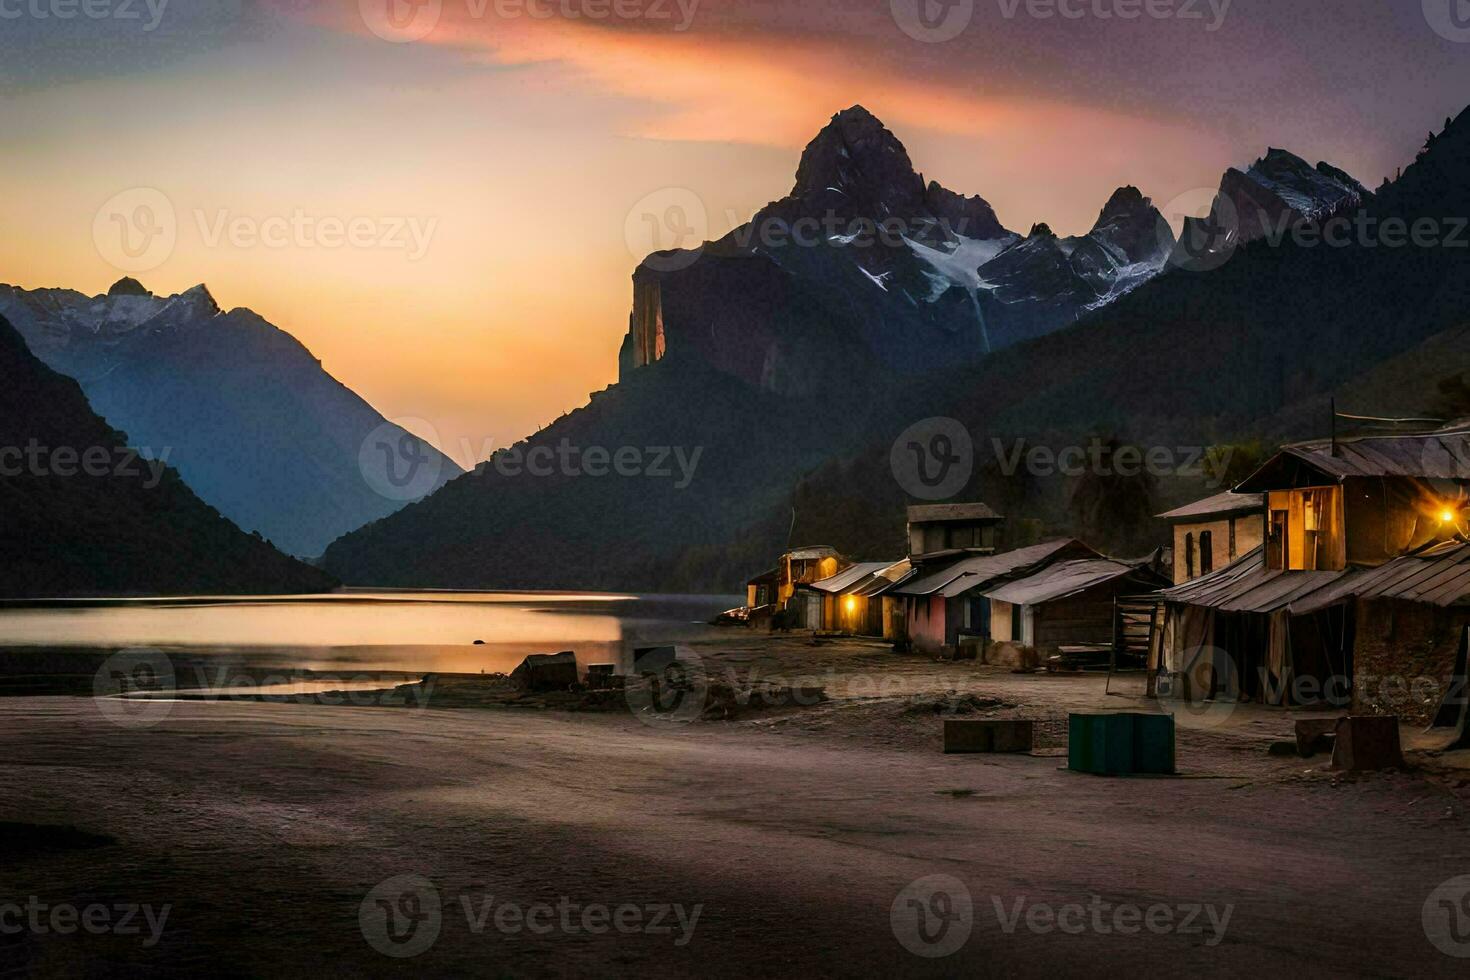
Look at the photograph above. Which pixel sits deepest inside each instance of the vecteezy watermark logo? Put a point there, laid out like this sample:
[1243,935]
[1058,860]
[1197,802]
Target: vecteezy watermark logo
[40,918]
[933,916]
[932,21]
[1450,19]
[1210,232]
[401,21]
[123,687]
[667,229]
[669,687]
[301,229]
[401,917]
[675,463]
[119,10]
[136,230]
[396,463]
[1446,917]
[404,21]
[933,459]
[1105,918]
[37,459]
[1119,10]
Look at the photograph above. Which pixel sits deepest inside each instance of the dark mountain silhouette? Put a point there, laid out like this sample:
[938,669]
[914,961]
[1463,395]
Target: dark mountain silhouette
[251,419]
[1249,351]
[80,514]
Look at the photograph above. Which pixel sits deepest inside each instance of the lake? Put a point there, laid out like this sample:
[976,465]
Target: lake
[347,639]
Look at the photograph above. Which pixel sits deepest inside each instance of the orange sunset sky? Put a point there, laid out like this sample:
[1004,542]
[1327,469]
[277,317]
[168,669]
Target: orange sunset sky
[519,144]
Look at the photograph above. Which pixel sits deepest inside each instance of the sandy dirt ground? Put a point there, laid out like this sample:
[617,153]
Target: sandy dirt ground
[806,840]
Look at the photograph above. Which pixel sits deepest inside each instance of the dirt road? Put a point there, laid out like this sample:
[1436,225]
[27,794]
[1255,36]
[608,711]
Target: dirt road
[546,844]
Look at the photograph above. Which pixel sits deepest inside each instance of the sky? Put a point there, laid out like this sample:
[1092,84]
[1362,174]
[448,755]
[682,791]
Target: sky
[442,198]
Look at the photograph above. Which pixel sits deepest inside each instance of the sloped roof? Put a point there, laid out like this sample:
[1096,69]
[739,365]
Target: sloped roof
[927,513]
[880,582]
[968,573]
[1439,575]
[1247,585]
[1219,505]
[1060,580]
[1440,455]
[852,575]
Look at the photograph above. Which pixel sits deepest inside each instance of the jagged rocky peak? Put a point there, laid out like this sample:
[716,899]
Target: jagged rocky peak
[1273,195]
[855,154]
[1127,201]
[972,217]
[197,300]
[1041,230]
[1131,229]
[1305,189]
[128,286]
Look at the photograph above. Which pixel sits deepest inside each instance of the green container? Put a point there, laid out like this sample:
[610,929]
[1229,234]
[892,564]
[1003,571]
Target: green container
[1121,744]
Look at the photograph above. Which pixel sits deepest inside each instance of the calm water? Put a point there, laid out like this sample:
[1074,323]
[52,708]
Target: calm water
[355,633]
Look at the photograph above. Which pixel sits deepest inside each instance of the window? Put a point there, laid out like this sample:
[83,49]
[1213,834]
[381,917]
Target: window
[1206,552]
[1189,555]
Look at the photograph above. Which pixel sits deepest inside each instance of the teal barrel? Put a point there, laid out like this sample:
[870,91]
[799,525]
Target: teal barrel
[1120,744]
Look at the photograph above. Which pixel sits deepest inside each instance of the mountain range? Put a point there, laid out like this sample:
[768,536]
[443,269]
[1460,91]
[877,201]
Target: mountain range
[792,367]
[865,269]
[763,380]
[85,514]
[250,418]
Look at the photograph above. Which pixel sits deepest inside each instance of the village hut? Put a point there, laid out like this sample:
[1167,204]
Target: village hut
[1213,532]
[851,601]
[942,604]
[1065,607]
[1363,580]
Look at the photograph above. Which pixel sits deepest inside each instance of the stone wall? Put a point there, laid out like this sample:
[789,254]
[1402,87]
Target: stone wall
[1404,655]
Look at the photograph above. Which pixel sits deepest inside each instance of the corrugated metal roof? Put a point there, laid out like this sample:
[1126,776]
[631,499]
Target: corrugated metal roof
[925,513]
[880,582]
[1440,576]
[1247,585]
[1440,455]
[850,576]
[968,573]
[1061,580]
[1220,504]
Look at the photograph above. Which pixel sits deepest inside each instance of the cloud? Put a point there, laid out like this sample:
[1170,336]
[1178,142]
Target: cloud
[719,71]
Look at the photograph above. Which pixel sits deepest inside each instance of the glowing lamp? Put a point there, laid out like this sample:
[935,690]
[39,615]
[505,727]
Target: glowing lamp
[1447,516]
[850,603]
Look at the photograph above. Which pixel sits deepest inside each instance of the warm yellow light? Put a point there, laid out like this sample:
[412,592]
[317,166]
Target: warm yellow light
[851,604]
[1447,517]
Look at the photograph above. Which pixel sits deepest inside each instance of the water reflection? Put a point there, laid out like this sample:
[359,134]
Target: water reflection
[346,634]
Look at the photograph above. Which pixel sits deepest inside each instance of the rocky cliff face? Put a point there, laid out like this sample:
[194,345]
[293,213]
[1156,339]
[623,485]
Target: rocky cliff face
[865,268]
[1276,194]
[249,417]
